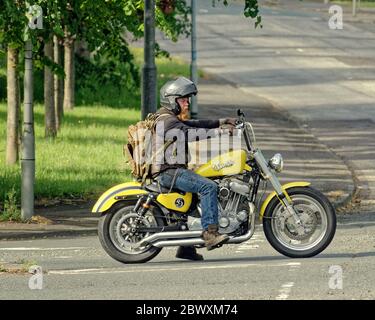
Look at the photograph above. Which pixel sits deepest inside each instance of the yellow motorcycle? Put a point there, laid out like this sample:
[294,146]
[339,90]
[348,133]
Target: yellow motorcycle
[139,220]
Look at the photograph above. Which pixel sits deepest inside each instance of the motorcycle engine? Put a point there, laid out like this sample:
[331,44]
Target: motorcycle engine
[233,207]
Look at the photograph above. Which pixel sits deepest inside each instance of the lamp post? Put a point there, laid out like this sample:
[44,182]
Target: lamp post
[35,17]
[148,99]
[28,139]
[354,8]
[193,66]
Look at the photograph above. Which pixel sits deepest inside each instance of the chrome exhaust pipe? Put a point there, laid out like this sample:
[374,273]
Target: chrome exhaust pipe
[199,241]
[179,237]
[166,235]
[176,243]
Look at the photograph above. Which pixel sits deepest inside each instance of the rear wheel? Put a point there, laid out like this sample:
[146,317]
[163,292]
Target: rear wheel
[318,219]
[118,234]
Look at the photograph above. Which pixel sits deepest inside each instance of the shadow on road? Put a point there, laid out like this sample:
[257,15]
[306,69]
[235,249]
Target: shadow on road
[261,259]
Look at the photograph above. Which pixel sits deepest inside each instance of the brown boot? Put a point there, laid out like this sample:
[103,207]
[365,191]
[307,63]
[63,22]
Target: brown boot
[212,238]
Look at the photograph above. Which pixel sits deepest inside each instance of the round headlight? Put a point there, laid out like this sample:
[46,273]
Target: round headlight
[276,162]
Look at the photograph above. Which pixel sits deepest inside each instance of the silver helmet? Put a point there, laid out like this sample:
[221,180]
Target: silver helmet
[181,87]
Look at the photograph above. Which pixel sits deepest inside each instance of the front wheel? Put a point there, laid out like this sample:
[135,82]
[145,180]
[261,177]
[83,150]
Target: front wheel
[318,219]
[119,237]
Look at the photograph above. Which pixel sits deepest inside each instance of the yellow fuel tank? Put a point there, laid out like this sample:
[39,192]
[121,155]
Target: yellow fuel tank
[230,163]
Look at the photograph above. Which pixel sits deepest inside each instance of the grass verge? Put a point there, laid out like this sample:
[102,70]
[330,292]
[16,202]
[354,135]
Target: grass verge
[86,158]
[82,161]
[21,266]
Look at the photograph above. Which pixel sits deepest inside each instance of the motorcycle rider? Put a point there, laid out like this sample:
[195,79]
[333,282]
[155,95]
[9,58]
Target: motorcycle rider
[175,98]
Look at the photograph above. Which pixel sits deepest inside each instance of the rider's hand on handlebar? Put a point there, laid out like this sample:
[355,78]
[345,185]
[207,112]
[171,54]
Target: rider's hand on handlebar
[231,121]
[227,129]
[228,125]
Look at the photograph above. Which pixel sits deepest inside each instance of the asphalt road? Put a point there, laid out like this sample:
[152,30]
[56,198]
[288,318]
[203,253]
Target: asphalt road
[78,268]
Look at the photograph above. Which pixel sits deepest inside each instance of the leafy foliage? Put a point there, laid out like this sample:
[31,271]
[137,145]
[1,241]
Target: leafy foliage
[12,22]
[251,10]
[175,23]
[11,211]
[104,25]
[107,75]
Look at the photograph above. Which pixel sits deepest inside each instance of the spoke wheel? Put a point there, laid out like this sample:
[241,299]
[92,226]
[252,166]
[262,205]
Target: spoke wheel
[314,222]
[318,223]
[123,230]
[118,233]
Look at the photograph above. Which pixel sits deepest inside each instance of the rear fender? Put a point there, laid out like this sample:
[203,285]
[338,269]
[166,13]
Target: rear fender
[124,191]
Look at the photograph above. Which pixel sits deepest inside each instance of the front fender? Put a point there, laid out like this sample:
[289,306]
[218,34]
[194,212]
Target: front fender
[117,193]
[273,194]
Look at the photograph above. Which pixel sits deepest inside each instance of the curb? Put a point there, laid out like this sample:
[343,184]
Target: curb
[36,234]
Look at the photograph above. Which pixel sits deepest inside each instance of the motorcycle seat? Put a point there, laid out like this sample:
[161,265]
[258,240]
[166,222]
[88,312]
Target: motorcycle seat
[156,187]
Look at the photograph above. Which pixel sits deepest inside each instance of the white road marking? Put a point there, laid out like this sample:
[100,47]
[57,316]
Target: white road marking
[286,288]
[42,249]
[252,241]
[134,270]
[245,245]
[241,249]
[285,291]
[250,244]
[294,264]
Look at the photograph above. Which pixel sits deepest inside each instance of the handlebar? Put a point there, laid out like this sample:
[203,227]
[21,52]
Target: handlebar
[242,124]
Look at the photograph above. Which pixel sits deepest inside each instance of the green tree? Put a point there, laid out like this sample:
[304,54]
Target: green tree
[58,82]
[103,25]
[12,21]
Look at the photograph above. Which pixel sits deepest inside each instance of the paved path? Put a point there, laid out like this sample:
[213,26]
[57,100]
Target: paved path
[323,79]
[306,158]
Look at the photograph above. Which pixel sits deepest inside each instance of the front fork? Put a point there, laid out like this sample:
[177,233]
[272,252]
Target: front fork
[281,194]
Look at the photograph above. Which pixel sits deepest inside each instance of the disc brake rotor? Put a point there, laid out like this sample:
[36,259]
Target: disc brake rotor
[309,221]
[128,226]
[125,231]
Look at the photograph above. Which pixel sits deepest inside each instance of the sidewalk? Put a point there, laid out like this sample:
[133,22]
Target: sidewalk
[306,159]
[61,221]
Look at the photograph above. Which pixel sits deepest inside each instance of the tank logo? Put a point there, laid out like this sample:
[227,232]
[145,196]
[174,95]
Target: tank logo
[179,202]
[218,166]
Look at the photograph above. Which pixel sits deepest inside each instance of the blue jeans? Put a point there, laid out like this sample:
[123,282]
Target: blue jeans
[188,181]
